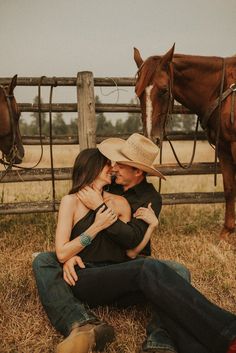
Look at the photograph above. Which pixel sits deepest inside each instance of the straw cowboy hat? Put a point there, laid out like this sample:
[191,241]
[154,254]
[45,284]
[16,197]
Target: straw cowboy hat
[137,151]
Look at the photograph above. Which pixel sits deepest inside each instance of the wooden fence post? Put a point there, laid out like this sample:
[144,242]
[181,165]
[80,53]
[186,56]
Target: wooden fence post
[86,110]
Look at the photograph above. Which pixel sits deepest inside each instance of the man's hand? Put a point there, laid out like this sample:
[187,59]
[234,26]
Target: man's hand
[90,197]
[69,273]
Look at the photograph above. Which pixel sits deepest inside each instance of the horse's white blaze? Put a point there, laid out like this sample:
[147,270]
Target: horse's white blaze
[149,109]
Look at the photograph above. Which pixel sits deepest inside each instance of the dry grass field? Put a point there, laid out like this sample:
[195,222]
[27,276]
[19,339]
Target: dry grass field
[188,234]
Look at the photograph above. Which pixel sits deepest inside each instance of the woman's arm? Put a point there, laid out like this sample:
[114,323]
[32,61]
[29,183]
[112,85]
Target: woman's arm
[65,248]
[130,234]
[148,216]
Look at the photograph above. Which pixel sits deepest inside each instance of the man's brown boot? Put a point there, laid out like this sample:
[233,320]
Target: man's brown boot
[85,338]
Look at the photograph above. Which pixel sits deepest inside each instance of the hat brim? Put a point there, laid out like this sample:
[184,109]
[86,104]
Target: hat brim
[111,148]
[144,167]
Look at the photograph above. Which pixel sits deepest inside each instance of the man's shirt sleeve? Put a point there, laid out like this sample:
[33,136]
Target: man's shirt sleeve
[129,235]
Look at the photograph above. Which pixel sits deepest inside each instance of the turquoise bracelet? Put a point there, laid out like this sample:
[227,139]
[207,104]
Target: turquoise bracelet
[85,239]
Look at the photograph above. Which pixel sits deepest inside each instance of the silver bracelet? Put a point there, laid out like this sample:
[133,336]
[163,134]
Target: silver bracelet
[85,239]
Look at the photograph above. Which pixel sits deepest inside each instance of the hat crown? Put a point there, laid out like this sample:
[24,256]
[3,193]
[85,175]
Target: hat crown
[137,151]
[139,148]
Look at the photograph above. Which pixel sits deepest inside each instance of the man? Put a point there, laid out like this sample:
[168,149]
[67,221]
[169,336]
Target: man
[182,309]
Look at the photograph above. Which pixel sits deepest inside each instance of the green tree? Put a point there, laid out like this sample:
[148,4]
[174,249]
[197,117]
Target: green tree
[103,126]
[119,126]
[59,126]
[73,127]
[175,122]
[189,122]
[24,127]
[133,122]
[100,123]
[34,126]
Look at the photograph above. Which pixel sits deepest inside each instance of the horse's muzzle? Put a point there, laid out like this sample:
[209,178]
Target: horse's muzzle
[16,159]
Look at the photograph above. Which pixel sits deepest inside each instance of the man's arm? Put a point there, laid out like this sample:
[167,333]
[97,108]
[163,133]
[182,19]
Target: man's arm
[129,235]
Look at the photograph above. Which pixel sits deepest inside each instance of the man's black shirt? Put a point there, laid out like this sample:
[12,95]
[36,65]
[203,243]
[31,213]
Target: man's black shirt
[110,244]
[128,235]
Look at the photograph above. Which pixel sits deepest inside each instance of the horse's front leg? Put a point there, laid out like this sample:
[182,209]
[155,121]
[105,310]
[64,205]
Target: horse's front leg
[228,169]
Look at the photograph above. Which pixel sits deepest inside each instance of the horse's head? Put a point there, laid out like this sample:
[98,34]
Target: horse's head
[154,89]
[10,138]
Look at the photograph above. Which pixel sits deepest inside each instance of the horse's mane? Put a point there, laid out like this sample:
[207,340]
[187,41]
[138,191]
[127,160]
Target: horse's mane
[148,68]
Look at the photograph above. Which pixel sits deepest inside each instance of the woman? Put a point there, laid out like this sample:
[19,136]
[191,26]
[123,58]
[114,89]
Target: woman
[81,230]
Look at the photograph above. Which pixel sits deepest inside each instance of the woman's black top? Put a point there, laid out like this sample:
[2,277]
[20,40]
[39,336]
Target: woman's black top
[102,248]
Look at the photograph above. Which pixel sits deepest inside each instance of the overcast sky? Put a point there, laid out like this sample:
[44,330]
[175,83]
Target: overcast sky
[62,37]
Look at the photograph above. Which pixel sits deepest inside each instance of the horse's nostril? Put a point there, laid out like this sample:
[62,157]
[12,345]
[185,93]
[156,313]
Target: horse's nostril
[17,160]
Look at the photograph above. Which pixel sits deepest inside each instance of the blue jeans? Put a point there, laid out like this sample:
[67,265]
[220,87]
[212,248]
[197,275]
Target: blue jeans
[188,316]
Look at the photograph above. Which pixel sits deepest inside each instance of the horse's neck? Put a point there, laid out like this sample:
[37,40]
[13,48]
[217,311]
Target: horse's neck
[196,81]
[5,124]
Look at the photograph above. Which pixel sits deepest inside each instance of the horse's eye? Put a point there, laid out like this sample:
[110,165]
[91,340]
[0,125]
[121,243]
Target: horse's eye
[163,91]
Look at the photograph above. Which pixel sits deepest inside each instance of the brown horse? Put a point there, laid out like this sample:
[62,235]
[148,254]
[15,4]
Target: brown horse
[206,86]
[10,138]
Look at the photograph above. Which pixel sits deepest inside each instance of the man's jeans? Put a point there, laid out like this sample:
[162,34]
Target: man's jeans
[186,313]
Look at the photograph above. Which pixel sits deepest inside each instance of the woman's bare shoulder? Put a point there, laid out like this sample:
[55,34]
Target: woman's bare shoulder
[120,205]
[119,200]
[69,200]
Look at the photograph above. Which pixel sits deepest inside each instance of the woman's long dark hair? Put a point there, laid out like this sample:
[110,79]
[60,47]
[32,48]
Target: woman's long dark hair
[88,165]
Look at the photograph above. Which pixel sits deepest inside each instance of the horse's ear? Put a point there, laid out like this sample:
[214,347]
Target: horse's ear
[137,57]
[12,84]
[167,58]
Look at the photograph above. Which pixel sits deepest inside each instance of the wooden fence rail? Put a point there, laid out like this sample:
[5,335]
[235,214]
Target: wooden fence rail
[72,140]
[168,199]
[86,137]
[99,108]
[44,174]
[70,81]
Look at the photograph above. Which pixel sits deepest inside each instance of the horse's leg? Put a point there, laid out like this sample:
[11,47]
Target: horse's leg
[228,169]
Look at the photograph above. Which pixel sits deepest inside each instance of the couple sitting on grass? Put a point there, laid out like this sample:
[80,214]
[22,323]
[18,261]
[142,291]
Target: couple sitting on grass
[103,257]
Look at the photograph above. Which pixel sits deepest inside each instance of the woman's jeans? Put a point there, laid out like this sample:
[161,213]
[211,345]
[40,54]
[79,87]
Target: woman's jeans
[196,324]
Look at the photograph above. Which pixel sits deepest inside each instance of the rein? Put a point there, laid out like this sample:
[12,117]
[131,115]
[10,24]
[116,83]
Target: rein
[204,120]
[215,104]
[169,114]
[218,104]
[218,119]
[51,150]
[186,166]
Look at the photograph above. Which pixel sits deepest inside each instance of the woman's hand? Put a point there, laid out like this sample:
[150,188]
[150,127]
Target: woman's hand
[147,215]
[90,197]
[105,217]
